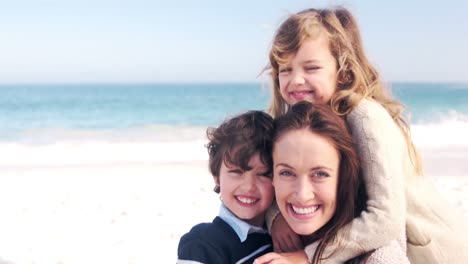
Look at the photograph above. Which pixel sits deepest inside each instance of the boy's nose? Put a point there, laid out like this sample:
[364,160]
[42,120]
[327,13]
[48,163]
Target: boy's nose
[249,183]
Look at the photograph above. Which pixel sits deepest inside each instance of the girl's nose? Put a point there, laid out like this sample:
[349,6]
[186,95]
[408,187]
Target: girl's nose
[297,78]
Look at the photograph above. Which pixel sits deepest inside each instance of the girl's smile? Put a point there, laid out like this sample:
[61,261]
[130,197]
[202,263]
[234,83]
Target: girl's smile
[310,74]
[300,95]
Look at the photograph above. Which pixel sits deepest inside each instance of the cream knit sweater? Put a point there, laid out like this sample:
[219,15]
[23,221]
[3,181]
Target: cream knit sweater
[398,199]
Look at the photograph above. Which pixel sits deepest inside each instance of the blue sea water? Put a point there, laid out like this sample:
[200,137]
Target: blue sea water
[35,110]
[433,102]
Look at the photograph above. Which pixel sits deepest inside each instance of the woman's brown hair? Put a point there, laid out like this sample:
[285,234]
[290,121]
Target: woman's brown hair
[350,199]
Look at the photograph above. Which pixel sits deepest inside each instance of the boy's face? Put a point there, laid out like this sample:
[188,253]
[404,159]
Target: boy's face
[247,194]
[310,74]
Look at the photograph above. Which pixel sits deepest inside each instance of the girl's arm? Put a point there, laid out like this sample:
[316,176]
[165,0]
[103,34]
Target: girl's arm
[382,149]
[297,257]
[389,254]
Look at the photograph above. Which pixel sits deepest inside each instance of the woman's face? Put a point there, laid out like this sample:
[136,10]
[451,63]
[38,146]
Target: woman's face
[310,74]
[305,167]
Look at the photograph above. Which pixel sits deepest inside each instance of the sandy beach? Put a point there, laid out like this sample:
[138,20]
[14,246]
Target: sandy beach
[94,211]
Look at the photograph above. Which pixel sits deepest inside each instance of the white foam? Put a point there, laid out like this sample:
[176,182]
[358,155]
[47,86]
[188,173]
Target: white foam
[100,153]
[450,132]
[159,144]
[145,133]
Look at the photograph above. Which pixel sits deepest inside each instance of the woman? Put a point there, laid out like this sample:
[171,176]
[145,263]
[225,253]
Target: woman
[316,178]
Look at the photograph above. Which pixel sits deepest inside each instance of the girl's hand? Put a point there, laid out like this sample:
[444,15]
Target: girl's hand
[284,238]
[298,257]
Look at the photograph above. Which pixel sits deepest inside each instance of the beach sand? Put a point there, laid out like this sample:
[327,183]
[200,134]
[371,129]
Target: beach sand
[134,212]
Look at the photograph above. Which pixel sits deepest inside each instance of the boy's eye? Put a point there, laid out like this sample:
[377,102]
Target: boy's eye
[265,174]
[235,171]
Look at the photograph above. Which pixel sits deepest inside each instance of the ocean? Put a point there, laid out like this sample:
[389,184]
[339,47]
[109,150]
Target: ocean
[175,116]
[37,111]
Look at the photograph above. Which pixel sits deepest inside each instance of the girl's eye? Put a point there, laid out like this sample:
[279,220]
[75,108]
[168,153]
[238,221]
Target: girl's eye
[312,68]
[285,70]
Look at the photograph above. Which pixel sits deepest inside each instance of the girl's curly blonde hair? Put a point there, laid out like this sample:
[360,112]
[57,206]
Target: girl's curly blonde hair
[357,78]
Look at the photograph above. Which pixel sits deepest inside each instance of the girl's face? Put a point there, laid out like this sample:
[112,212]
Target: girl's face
[305,167]
[247,194]
[310,74]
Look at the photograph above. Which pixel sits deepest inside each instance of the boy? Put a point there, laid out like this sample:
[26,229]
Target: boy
[240,162]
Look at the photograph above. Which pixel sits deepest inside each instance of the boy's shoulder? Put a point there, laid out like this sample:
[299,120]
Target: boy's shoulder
[217,242]
[218,229]
[207,242]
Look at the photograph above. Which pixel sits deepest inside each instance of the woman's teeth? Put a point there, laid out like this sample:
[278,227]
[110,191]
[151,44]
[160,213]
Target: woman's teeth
[305,210]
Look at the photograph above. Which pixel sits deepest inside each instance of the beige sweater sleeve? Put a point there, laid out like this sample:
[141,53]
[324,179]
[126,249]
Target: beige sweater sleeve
[381,147]
[392,253]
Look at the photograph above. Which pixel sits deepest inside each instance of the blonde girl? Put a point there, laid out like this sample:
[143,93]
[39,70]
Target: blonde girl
[317,56]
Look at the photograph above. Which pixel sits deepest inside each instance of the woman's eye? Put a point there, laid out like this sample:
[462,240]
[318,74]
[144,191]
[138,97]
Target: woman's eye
[321,174]
[285,173]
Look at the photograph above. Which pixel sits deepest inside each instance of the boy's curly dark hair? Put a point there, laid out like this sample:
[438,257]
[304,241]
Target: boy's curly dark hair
[239,138]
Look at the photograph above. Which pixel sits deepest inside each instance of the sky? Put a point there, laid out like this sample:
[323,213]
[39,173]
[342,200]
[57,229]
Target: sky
[127,41]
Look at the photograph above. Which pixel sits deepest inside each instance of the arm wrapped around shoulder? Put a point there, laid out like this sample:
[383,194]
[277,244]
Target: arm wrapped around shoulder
[381,147]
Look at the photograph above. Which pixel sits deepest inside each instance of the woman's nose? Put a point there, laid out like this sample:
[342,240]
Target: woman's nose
[304,191]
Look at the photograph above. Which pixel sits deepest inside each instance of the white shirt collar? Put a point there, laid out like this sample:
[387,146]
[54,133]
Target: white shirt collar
[242,229]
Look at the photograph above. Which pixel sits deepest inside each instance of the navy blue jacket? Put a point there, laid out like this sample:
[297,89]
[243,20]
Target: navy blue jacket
[218,243]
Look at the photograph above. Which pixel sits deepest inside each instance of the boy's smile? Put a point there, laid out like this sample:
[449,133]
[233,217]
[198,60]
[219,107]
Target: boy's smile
[246,200]
[247,194]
